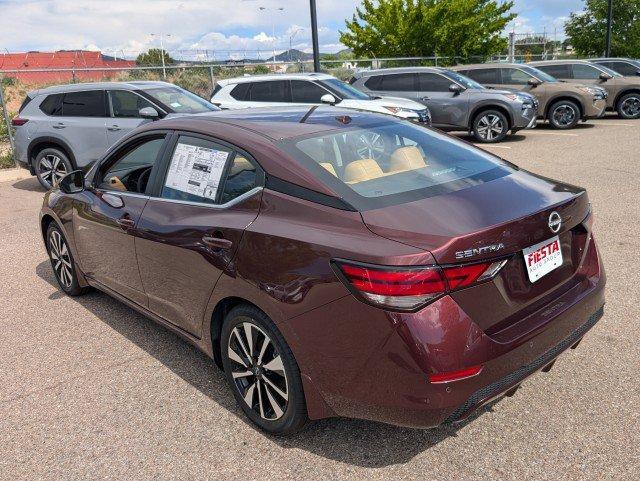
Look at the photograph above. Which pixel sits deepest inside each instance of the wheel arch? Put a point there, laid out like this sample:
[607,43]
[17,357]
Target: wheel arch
[552,101]
[37,145]
[490,106]
[632,90]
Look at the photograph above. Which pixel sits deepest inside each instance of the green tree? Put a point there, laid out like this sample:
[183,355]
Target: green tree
[587,30]
[451,28]
[153,58]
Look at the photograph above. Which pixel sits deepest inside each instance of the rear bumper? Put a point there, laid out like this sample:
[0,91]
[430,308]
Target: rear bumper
[383,376]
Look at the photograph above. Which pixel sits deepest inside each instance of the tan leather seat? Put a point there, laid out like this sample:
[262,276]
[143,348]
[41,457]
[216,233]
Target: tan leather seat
[361,170]
[406,158]
[329,167]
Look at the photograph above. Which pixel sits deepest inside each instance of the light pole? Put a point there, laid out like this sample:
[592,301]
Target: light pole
[273,26]
[161,35]
[291,40]
[314,36]
[607,52]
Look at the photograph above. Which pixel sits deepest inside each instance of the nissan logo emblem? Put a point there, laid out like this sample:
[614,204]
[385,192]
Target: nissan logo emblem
[555,222]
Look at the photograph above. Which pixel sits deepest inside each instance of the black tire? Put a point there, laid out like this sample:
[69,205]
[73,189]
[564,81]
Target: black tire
[490,126]
[564,114]
[44,163]
[628,106]
[265,406]
[62,262]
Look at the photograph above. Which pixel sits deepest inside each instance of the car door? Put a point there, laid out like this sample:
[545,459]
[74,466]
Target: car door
[189,232]
[586,74]
[447,108]
[105,225]
[124,108]
[307,92]
[82,123]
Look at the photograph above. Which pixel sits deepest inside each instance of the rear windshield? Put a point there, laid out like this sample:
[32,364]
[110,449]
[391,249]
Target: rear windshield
[394,162]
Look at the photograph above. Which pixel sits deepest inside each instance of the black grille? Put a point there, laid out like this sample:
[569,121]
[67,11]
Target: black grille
[521,373]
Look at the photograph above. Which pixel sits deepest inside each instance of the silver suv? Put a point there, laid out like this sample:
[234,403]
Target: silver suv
[456,102]
[63,128]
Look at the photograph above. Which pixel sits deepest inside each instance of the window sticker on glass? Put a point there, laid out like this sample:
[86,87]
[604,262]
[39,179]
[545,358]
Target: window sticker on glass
[196,170]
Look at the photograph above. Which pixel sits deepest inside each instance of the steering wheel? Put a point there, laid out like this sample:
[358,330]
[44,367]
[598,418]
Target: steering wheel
[143,178]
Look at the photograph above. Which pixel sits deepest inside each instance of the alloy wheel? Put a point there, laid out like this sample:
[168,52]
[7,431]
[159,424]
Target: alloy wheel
[370,146]
[490,127]
[61,259]
[631,106]
[258,371]
[564,115]
[52,168]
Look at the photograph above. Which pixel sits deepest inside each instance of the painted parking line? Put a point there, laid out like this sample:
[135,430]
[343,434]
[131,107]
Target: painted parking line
[494,146]
[615,124]
[536,132]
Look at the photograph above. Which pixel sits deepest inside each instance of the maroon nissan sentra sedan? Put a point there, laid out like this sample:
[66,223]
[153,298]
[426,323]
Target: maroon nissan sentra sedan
[333,262]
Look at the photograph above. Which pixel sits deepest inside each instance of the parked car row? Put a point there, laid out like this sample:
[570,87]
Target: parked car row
[62,128]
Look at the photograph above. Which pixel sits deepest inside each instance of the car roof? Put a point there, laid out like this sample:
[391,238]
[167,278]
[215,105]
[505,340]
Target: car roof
[79,87]
[256,130]
[382,71]
[560,62]
[608,59]
[488,65]
[275,76]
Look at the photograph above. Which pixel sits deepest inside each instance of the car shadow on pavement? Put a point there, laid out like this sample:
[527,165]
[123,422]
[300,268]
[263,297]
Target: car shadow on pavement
[31,184]
[350,441]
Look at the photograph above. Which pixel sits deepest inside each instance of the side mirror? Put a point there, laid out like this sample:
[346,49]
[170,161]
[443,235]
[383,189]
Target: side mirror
[638,72]
[72,183]
[455,89]
[149,113]
[533,82]
[604,76]
[328,99]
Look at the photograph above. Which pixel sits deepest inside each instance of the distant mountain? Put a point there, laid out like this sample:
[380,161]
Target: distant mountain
[292,55]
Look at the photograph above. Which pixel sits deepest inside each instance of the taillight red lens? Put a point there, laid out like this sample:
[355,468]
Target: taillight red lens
[441,377]
[408,288]
[395,282]
[17,121]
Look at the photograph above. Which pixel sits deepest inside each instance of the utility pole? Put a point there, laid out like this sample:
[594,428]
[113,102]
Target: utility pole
[164,70]
[512,47]
[607,52]
[314,36]
[273,27]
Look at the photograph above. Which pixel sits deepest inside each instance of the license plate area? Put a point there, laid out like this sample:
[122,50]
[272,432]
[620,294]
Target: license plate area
[542,258]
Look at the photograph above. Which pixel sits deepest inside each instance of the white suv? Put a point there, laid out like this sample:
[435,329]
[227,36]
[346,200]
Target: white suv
[311,89]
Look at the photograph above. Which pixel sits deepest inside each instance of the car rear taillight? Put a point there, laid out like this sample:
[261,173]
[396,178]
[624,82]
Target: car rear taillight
[442,377]
[18,121]
[409,288]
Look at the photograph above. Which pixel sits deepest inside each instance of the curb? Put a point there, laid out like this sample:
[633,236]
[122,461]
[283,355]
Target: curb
[16,173]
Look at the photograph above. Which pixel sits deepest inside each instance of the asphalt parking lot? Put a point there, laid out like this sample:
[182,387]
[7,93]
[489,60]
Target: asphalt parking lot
[89,389]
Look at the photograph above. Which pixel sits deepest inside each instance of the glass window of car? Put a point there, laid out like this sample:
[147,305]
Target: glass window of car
[175,99]
[433,82]
[485,75]
[269,91]
[371,166]
[127,104]
[129,170]
[52,105]
[463,80]
[240,91]
[623,68]
[514,76]
[306,92]
[90,103]
[195,170]
[538,74]
[241,178]
[557,70]
[403,82]
[585,72]
[343,89]
[374,82]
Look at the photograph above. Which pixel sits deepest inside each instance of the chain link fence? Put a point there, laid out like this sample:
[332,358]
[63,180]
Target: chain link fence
[197,78]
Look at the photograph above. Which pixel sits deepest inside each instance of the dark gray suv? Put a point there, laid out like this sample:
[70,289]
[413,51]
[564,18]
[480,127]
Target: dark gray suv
[456,102]
[68,127]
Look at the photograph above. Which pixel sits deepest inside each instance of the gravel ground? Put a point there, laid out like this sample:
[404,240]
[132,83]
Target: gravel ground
[89,389]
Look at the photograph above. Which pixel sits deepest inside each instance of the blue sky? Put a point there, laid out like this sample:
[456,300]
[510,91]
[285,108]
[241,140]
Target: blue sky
[211,28]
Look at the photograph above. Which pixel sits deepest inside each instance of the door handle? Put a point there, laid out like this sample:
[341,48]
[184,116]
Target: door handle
[217,242]
[59,125]
[126,223]
[425,98]
[114,128]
